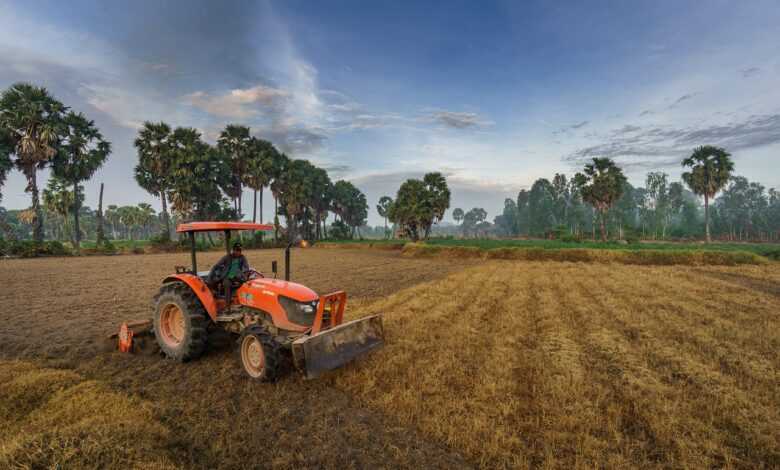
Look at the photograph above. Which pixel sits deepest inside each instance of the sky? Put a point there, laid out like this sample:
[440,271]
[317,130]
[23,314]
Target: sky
[493,94]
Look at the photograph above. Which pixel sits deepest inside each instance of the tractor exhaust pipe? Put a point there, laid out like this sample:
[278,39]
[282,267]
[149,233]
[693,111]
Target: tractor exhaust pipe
[287,262]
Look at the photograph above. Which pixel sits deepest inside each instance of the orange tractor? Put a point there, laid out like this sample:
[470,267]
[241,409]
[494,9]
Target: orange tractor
[275,320]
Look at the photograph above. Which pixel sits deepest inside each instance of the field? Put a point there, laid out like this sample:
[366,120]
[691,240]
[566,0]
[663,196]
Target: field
[487,364]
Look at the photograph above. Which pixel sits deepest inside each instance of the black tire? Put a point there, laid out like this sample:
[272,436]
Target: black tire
[259,341]
[189,340]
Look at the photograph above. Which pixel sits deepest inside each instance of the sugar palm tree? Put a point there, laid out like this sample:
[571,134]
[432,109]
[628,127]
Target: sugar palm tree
[33,119]
[59,202]
[711,169]
[259,171]
[383,207]
[236,145]
[81,152]
[602,184]
[154,163]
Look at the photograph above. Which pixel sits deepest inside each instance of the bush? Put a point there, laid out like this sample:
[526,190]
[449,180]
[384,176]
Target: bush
[31,249]
[570,238]
[339,231]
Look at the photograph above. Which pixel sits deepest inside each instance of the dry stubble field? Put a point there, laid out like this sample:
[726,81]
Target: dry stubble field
[492,364]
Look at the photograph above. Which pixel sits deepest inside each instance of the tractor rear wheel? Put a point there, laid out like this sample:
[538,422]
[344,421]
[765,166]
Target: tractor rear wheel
[180,322]
[260,354]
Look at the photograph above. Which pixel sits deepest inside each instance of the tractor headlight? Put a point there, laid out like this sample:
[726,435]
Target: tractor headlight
[301,313]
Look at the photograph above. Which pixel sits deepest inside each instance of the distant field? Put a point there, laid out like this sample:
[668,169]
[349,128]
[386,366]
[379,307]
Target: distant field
[762,249]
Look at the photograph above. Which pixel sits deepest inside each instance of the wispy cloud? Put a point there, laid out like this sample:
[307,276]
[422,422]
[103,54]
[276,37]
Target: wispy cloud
[749,72]
[681,99]
[657,146]
[240,103]
[458,120]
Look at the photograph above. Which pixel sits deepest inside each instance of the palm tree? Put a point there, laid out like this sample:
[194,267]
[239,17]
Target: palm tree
[82,151]
[259,171]
[145,217]
[601,185]
[236,144]
[59,202]
[154,163]
[33,118]
[711,169]
[280,165]
[383,207]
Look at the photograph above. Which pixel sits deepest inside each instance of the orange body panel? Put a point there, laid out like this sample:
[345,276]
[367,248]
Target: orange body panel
[262,294]
[221,226]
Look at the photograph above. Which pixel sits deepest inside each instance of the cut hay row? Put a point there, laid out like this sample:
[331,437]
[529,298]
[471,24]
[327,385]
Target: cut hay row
[633,257]
[57,419]
[582,365]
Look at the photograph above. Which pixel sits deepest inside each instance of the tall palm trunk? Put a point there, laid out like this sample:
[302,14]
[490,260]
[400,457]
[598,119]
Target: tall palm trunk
[166,219]
[261,212]
[32,185]
[603,224]
[276,218]
[99,232]
[254,206]
[707,217]
[76,229]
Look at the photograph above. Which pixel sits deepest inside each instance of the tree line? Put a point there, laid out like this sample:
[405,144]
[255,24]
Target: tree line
[206,182]
[709,202]
[193,179]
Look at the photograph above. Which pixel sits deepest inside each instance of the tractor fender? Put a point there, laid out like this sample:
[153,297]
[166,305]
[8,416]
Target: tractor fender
[200,289]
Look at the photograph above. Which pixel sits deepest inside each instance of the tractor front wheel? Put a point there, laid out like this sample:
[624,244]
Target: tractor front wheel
[180,322]
[260,355]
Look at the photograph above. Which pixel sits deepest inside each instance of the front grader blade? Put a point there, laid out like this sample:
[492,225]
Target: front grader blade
[334,347]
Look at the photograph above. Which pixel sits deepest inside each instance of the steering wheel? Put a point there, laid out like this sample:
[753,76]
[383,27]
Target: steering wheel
[253,273]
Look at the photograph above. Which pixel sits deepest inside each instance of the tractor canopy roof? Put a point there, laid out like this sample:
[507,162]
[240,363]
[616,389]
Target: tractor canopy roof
[221,226]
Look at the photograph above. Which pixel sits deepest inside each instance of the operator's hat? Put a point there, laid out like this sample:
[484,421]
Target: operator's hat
[237,246]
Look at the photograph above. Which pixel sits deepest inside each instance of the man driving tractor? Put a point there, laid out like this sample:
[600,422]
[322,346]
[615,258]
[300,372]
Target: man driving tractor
[231,270]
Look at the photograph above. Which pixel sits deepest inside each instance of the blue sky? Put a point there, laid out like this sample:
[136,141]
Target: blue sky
[495,95]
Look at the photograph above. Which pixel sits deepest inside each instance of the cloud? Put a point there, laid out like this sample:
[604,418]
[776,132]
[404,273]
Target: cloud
[646,112]
[572,127]
[458,120]
[684,97]
[749,72]
[239,103]
[656,146]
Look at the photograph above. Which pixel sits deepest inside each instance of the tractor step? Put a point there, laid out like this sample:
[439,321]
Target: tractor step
[229,317]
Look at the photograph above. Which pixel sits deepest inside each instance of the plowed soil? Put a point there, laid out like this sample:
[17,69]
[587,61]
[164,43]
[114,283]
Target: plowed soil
[495,364]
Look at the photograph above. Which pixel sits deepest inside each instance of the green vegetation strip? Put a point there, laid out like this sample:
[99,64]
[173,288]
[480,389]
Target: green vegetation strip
[622,256]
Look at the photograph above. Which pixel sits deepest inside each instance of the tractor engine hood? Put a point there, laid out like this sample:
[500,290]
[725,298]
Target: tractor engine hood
[289,289]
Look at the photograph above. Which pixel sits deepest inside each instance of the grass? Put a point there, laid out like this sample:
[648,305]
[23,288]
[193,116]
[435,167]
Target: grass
[623,256]
[541,365]
[763,249]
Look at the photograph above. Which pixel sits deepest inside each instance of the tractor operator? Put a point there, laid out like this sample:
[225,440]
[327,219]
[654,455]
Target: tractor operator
[232,271]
